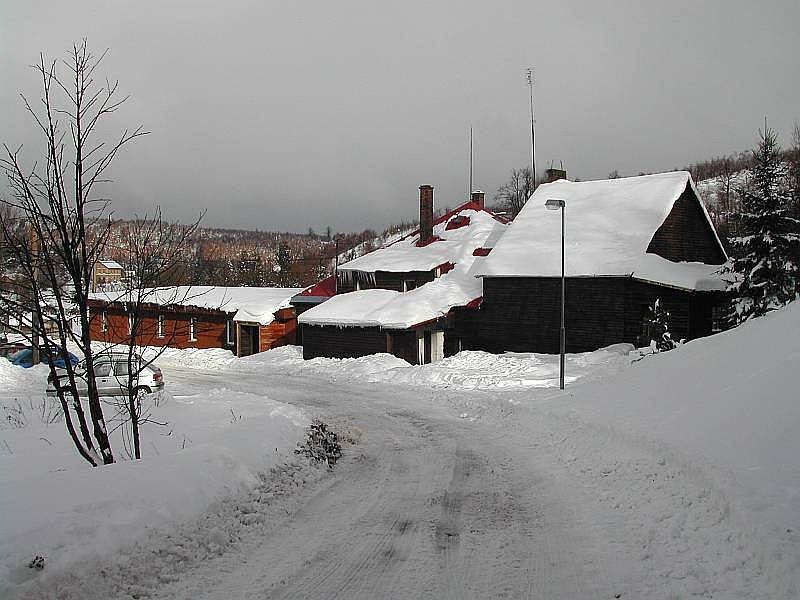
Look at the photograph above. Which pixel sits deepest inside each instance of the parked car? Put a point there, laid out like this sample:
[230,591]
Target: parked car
[9,348]
[24,358]
[111,376]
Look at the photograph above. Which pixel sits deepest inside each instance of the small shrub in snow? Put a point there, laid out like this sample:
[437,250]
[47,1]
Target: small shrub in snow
[37,562]
[657,324]
[321,445]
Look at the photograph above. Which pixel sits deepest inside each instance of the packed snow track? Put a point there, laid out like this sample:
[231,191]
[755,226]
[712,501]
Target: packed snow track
[424,505]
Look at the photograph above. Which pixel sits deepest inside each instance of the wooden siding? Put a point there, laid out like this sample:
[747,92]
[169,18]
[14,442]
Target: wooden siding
[523,314]
[403,344]
[209,332]
[342,342]
[278,333]
[685,235]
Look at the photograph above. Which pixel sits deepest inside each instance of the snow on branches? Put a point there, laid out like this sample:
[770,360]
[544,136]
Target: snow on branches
[767,270]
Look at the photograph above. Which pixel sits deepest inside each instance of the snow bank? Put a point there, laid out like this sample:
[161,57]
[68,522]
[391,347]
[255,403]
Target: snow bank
[55,505]
[468,370]
[727,405]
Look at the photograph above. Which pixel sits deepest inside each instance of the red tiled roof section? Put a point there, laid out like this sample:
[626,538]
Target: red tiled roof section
[456,222]
[326,287]
[470,205]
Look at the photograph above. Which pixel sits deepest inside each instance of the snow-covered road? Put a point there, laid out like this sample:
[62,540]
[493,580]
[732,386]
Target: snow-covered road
[425,505]
[430,504]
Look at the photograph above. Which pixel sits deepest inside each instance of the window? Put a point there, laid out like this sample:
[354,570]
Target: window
[229,330]
[160,326]
[104,321]
[192,329]
[121,368]
[102,369]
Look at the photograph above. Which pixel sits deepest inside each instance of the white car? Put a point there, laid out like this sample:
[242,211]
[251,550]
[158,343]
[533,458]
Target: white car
[111,376]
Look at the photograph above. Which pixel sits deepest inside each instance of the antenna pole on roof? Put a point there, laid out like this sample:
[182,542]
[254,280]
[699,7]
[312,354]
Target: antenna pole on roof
[529,78]
[469,192]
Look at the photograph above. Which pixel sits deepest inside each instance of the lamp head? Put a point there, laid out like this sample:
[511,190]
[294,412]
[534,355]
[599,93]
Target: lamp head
[554,204]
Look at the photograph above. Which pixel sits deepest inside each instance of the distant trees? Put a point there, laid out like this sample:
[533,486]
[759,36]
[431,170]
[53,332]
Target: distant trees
[512,195]
[767,260]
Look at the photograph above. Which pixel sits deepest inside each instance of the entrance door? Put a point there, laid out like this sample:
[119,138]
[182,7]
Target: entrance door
[437,346]
[248,339]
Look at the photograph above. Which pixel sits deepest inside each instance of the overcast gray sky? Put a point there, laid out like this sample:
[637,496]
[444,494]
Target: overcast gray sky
[285,115]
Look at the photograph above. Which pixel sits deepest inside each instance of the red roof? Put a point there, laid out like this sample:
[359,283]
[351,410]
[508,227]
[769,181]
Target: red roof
[324,288]
[469,205]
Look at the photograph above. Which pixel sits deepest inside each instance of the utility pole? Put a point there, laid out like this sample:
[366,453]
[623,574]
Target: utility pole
[529,78]
[336,265]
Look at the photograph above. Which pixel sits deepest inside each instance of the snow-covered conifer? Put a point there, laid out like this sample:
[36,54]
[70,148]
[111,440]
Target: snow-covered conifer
[767,269]
[657,322]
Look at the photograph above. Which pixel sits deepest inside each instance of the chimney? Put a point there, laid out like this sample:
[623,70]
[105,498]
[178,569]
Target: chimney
[425,213]
[479,198]
[552,174]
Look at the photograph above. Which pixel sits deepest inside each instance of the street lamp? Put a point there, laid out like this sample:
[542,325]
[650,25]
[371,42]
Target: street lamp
[554,204]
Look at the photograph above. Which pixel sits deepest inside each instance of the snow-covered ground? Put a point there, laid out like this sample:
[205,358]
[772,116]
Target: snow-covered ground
[209,442]
[674,476]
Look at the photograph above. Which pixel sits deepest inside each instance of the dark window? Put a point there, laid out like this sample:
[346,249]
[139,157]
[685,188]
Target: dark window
[121,368]
[102,369]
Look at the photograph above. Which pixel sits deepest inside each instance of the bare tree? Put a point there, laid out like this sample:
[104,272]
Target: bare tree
[513,195]
[153,249]
[59,199]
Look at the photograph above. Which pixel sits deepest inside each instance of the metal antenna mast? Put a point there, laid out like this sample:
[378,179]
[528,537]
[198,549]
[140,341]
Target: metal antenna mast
[529,78]
[469,192]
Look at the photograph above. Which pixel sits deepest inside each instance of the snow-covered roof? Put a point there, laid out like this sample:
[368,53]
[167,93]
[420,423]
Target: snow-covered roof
[110,264]
[252,304]
[400,310]
[453,245]
[609,225]
[390,309]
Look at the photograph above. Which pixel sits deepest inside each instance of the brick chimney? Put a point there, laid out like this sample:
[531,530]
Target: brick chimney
[552,175]
[479,198]
[425,213]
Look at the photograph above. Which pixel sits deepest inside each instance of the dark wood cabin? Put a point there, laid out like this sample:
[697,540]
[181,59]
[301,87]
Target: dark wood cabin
[424,342]
[521,313]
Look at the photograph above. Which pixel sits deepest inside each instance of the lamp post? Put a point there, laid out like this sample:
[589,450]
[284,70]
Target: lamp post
[554,204]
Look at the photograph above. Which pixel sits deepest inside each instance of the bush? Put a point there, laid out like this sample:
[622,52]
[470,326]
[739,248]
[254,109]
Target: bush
[321,445]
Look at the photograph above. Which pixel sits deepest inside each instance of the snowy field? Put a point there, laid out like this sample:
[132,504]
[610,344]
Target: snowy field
[214,441]
[678,474]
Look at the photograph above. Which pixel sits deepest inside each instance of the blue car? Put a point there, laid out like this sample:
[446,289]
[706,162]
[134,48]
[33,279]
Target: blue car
[24,359]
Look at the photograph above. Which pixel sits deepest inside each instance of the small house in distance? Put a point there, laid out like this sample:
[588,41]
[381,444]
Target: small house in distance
[244,320]
[106,272]
[628,242]
[405,298]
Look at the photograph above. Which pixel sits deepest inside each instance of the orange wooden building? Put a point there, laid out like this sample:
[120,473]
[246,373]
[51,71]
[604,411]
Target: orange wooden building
[244,320]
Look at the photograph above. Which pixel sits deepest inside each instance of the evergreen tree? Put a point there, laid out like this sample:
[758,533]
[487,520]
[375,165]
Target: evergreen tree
[767,270]
[657,325]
